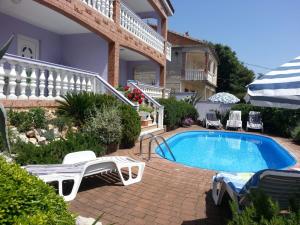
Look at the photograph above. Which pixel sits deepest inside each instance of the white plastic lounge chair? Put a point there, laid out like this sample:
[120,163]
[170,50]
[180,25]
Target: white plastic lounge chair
[82,164]
[235,120]
[280,185]
[212,121]
[255,121]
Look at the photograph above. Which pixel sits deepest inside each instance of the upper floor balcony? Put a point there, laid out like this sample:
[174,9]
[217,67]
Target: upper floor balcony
[133,21]
[200,75]
[200,66]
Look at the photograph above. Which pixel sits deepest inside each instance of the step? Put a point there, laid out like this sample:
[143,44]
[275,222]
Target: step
[154,131]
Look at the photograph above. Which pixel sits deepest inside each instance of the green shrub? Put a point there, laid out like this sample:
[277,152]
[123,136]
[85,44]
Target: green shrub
[263,211]
[131,125]
[27,200]
[105,125]
[79,106]
[55,151]
[296,134]
[276,121]
[61,122]
[26,120]
[176,111]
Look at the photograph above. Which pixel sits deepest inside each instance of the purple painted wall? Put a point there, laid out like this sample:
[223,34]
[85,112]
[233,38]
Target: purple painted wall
[50,43]
[123,73]
[86,51]
[83,51]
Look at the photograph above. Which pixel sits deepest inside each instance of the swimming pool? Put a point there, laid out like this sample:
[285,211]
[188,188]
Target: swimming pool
[226,151]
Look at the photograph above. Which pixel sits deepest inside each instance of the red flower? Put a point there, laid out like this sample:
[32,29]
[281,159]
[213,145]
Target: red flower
[130,96]
[126,88]
[140,101]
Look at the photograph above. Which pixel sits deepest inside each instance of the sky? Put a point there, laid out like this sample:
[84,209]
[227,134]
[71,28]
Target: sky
[261,32]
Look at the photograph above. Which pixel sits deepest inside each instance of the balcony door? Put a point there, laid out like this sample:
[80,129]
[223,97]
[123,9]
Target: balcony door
[195,61]
[28,47]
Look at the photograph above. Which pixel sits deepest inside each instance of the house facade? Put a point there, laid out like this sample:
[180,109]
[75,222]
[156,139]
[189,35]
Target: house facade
[61,45]
[194,66]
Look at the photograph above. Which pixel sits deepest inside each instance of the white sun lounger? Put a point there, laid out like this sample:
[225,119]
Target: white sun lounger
[85,163]
[235,120]
[280,185]
[212,121]
[255,121]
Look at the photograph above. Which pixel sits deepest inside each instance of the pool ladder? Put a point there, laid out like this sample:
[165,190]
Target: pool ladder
[155,138]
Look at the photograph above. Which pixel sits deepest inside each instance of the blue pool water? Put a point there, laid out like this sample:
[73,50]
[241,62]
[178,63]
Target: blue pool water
[227,151]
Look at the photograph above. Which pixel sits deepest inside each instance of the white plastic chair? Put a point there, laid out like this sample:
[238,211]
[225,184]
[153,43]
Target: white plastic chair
[81,164]
[235,120]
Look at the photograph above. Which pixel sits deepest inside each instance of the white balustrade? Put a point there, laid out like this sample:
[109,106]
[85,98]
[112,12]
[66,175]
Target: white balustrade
[35,79]
[153,91]
[105,7]
[201,75]
[47,81]
[135,25]
[158,113]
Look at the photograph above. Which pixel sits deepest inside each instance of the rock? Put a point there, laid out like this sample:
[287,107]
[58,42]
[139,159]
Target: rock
[30,134]
[50,126]
[41,140]
[56,133]
[86,221]
[74,129]
[33,141]
[14,130]
[23,137]
[41,132]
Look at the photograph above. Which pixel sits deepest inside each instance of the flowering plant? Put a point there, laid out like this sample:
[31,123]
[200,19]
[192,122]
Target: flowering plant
[135,95]
[187,122]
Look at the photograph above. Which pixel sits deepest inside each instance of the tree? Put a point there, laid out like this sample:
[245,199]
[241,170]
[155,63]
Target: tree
[233,75]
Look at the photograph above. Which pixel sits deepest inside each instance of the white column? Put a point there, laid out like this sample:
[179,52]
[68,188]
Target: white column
[84,84]
[23,83]
[65,86]
[89,85]
[77,83]
[58,85]
[42,84]
[50,84]
[2,82]
[71,82]
[111,9]
[32,84]
[12,82]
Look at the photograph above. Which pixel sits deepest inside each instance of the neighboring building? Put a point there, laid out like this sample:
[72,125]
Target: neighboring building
[194,66]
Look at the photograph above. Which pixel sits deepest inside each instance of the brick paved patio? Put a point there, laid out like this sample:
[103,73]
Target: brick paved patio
[169,193]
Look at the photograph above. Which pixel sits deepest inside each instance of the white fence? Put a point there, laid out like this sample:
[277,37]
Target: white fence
[204,107]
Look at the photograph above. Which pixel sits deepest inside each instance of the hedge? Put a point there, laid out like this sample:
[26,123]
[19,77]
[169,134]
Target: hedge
[26,200]
[176,111]
[131,125]
[276,121]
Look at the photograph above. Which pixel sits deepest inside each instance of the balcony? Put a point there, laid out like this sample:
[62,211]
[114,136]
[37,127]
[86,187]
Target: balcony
[132,23]
[200,75]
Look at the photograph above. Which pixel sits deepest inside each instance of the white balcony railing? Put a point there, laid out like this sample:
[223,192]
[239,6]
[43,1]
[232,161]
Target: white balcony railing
[153,91]
[23,79]
[168,51]
[105,7]
[135,25]
[198,74]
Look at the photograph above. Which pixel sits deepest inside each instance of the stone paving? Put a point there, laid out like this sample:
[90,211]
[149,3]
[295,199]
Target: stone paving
[169,193]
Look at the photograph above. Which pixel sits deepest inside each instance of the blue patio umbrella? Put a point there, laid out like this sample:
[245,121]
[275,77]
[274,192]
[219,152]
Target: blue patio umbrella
[278,88]
[224,97]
